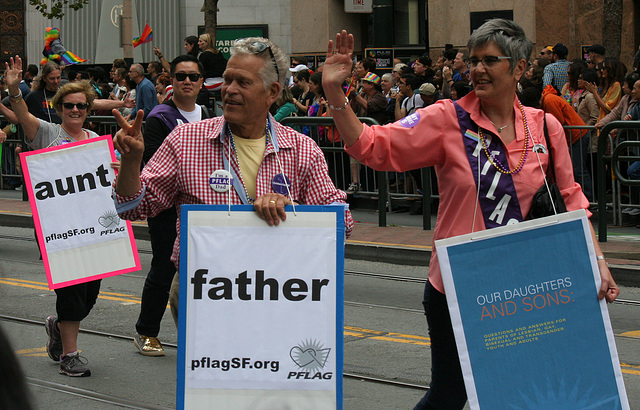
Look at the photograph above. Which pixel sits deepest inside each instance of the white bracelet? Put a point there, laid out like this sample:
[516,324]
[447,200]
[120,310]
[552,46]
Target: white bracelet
[346,103]
[600,257]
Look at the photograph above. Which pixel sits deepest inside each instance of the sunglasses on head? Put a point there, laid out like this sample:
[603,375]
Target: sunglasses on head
[70,105]
[183,76]
[258,47]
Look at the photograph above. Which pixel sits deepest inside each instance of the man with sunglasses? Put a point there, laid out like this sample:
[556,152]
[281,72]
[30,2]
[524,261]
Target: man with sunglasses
[186,79]
[271,165]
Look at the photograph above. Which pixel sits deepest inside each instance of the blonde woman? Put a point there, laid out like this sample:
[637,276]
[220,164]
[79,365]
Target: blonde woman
[212,61]
[72,102]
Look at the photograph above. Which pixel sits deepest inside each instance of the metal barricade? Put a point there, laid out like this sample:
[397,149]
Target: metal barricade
[390,188]
[375,184]
[10,176]
[613,151]
[104,124]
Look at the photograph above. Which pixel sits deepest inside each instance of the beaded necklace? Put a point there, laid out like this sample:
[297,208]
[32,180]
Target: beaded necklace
[495,162]
[235,151]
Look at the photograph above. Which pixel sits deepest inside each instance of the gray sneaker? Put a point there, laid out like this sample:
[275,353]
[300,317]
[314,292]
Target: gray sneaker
[74,365]
[353,188]
[54,345]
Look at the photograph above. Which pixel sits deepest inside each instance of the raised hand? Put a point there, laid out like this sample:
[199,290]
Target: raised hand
[128,140]
[13,73]
[339,63]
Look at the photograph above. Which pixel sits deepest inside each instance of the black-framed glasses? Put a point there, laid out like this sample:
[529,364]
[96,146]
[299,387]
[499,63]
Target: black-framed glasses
[258,47]
[183,76]
[70,105]
[487,61]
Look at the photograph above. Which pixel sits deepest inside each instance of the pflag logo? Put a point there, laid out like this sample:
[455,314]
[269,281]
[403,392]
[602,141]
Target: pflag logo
[311,357]
[109,220]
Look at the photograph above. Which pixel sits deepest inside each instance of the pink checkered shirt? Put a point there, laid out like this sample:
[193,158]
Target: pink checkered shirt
[179,171]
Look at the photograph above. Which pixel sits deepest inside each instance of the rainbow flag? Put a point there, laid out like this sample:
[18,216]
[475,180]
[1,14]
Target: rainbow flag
[69,58]
[145,37]
[54,50]
[350,88]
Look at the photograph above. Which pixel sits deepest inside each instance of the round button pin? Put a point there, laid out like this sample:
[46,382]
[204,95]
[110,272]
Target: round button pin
[281,184]
[221,180]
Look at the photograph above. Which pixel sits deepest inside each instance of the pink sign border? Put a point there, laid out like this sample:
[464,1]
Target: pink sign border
[36,217]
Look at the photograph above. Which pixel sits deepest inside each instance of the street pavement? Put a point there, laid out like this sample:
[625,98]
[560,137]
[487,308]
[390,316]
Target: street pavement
[120,372]
[402,241]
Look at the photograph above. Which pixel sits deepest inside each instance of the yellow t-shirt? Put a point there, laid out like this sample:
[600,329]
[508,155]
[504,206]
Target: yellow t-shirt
[250,153]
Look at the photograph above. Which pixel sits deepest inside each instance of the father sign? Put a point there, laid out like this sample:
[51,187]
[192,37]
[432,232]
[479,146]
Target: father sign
[80,235]
[261,314]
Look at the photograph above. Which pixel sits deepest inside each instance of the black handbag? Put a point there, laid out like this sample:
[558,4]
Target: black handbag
[549,194]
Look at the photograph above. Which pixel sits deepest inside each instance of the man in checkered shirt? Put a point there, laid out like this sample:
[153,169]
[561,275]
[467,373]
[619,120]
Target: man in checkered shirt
[246,142]
[556,73]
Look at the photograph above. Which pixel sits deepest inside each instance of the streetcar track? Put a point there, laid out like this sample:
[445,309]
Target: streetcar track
[105,398]
[360,304]
[381,380]
[123,402]
[91,395]
[382,276]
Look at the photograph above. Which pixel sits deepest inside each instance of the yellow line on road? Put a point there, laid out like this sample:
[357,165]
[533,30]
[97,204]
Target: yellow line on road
[348,330]
[120,297]
[390,244]
[386,336]
[23,285]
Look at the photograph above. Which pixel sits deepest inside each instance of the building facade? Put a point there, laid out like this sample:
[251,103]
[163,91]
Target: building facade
[410,27]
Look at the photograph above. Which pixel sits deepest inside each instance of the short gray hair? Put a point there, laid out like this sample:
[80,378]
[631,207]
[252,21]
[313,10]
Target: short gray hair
[508,36]
[387,77]
[137,68]
[268,71]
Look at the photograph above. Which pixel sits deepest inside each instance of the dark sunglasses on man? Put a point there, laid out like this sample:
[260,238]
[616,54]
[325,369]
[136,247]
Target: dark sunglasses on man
[183,76]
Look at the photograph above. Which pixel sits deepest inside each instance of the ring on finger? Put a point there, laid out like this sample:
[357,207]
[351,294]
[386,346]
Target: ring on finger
[272,202]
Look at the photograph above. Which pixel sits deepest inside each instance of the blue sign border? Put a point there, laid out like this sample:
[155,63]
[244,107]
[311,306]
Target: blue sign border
[338,209]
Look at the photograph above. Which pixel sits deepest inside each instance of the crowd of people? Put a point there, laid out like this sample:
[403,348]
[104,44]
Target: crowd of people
[580,93]
[489,88]
[52,108]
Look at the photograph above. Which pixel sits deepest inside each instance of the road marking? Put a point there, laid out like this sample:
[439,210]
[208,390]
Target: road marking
[635,333]
[37,352]
[348,330]
[119,297]
[390,244]
[386,336]
[630,369]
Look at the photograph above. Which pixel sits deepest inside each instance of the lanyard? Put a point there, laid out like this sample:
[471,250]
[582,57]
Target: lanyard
[225,135]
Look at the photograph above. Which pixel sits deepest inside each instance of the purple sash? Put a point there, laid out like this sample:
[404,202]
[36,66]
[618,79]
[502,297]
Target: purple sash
[169,115]
[498,199]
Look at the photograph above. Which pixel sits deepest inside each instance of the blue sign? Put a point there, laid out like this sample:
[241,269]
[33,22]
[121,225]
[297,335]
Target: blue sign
[530,330]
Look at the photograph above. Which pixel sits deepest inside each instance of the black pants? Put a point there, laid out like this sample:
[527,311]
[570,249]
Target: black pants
[446,390]
[155,293]
[74,303]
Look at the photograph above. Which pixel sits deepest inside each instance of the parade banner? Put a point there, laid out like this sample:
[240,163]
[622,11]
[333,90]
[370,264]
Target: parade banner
[261,308]
[530,330]
[80,235]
